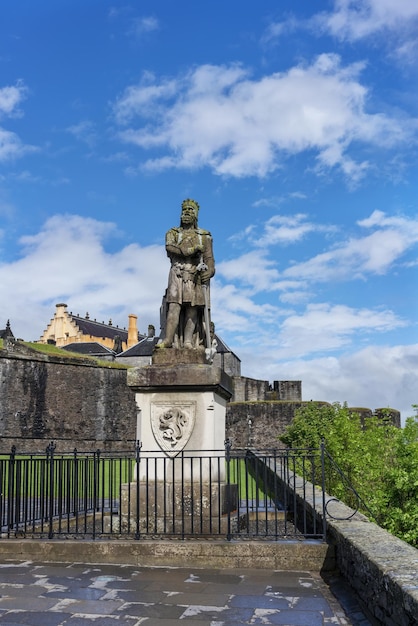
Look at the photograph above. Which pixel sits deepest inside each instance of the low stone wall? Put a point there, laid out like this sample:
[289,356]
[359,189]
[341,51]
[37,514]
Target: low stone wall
[382,569]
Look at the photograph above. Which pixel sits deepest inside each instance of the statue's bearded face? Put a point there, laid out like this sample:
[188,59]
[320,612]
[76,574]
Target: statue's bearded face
[188,215]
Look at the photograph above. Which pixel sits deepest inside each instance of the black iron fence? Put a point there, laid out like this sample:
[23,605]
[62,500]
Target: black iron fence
[226,493]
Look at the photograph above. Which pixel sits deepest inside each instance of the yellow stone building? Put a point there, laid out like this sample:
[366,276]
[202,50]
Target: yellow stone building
[66,328]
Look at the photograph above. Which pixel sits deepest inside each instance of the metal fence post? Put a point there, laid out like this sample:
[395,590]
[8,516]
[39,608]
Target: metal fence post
[96,487]
[228,446]
[324,521]
[10,489]
[138,447]
[50,460]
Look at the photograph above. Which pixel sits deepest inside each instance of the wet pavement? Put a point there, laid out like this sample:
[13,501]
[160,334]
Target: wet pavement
[40,594]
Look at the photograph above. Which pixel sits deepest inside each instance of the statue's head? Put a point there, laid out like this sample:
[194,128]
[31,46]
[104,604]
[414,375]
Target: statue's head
[189,206]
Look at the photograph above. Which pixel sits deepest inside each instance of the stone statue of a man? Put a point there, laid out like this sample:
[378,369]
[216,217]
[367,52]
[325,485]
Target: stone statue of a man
[189,249]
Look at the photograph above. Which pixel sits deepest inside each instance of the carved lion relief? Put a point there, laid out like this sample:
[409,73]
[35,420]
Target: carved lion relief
[172,424]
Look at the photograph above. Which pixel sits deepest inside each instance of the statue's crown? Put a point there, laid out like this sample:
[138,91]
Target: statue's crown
[191,203]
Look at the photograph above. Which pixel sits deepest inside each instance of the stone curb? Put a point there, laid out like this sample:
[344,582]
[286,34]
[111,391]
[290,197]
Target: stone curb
[289,555]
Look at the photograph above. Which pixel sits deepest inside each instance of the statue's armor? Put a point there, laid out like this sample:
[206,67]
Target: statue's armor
[186,249]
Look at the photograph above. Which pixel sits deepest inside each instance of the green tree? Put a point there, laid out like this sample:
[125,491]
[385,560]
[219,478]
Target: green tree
[377,459]
[402,485]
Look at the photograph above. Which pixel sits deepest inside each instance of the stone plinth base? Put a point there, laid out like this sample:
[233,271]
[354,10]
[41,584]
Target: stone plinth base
[177,356]
[179,376]
[180,407]
[176,508]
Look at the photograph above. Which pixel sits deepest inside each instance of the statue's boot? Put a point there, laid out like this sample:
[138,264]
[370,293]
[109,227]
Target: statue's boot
[171,325]
[190,328]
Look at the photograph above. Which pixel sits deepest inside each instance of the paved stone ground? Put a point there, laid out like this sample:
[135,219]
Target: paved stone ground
[40,594]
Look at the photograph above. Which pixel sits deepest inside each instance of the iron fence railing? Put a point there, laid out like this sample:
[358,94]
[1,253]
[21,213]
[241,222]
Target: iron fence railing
[230,493]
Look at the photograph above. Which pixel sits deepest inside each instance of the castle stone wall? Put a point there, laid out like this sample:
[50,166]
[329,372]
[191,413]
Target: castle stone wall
[78,404]
[75,404]
[249,389]
[258,424]
[288,390]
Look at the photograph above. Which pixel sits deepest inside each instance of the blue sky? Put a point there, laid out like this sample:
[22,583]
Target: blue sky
[294,125]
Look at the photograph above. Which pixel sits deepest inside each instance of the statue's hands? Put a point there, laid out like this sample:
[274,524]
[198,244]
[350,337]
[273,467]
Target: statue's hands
[188,249]
[205,272]
[205,277]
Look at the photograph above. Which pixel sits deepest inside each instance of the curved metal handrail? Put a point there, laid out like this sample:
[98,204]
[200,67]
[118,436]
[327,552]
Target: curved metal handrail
[349,486]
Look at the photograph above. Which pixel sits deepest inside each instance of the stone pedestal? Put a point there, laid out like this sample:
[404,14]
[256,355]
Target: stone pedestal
[181,427]
[180,406]
[179,508]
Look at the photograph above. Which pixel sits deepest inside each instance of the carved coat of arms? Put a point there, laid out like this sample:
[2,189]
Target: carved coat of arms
[172,424]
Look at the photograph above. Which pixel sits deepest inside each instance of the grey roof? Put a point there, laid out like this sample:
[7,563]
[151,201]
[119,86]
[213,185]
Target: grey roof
[91,348]
[144,348]
[6,332]
[222,347]
[99,329]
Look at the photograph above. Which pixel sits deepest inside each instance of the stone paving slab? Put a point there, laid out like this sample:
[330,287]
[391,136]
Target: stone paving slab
[73,594]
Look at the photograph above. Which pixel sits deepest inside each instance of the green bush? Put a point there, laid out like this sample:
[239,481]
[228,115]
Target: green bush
[379,460]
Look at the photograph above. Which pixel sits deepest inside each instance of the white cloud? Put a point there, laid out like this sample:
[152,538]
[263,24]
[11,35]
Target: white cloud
[141,100]
[353,20]
[276,201]
[84,131]
[10,99]
[320,327]
[243,234]
[252,269]
[67,261]
[347,259]
[11,146]
[218,117]
[6,208]
[301,292]
[357,257]
[393,22]
[145,24]
[279,230]
[406,52]
[285,229]
[276,29]
[234,308]
[324,327]
[375,377]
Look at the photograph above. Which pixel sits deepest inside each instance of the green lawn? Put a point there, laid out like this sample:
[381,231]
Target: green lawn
[247,486]
[31,476]
[87,477]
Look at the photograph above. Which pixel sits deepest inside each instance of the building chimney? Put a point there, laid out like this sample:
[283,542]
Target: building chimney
[151,330]
[60,322]
[132,330]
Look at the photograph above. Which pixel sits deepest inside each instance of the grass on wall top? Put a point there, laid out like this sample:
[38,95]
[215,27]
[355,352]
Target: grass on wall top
[48,349]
